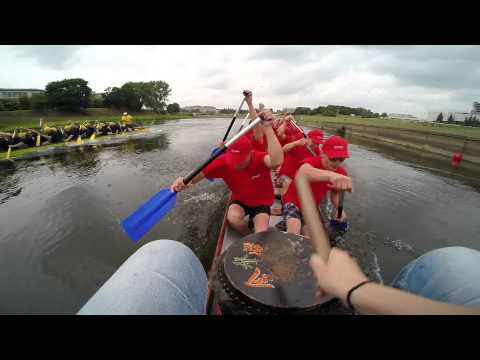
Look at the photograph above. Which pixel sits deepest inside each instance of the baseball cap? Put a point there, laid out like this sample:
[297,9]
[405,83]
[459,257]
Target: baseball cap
[316,135]
[238,152]
[335,147]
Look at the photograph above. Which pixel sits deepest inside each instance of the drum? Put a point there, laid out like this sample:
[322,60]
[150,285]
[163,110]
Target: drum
[269,273]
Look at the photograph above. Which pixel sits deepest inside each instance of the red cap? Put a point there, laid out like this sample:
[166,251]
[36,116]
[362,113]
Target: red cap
[238,152]
[335,147]
[316,135]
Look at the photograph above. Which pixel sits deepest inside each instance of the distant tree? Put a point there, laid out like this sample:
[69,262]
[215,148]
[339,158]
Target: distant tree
[96,101]
[125,97]
[173,108]
[302,111]
[152,94]
[439,118]
[384,115]
[2,107]
[330,112]
[68,95]
[39,102]
[227,111]
[450,119]
[10,104]
[24,103]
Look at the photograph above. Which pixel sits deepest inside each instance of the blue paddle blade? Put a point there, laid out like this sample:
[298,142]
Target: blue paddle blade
[215,151]
[146,216]
[339,226]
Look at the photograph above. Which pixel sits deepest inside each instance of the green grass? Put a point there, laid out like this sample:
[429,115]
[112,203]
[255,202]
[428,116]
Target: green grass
[428,127]
[10,120]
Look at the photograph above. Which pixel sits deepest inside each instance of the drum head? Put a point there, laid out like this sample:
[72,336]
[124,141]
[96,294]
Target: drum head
[272,268]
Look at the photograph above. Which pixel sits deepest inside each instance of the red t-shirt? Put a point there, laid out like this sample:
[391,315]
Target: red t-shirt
[251,186]
[319,189]
[257,145]
[292,159]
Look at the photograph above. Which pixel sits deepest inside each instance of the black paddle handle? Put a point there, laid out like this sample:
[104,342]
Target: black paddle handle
[229,128]
[340,204]
[304,136]
[234,117]
[195,172]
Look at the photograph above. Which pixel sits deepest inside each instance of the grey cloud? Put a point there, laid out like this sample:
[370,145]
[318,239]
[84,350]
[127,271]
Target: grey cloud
[292,54]
[56,57]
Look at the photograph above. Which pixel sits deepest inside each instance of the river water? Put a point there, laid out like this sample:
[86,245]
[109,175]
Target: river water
[60,238]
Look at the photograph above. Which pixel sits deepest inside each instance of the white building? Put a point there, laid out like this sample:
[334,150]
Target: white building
[15,94]
[402,116]
[200,109]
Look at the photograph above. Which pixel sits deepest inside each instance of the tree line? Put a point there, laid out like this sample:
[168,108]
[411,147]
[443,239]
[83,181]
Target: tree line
[469,120]
[74,95]
[334,110]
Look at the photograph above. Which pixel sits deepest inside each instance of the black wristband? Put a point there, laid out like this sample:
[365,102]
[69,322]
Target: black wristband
[352,290]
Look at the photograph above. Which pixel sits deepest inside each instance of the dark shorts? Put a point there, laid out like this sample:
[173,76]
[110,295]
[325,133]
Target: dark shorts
[253,211]
[290,211]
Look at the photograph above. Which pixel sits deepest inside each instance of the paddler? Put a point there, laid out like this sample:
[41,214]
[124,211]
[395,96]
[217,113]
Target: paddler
[127,121]
[113,127]
[325,173]
[5,141]
[247,174]
[71,131]
[295,152]
[101,129]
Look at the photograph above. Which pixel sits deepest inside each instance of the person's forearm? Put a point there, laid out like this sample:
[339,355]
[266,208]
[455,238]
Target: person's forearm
[375,299]
[258,133]
[315,175]
[251,110]
[288,147]
[274,148]
[200,176]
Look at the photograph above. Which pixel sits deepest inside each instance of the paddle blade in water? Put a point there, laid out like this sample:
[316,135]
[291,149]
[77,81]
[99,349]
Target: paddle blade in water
[38,140]
[9,152]
[79,140]
[137,224]
[92,138]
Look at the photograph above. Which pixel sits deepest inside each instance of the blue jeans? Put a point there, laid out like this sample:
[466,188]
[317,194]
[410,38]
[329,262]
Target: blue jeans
[163,277]
[450,275]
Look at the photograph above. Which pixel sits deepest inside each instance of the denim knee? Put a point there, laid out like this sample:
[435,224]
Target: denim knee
[450,274]
[162,277]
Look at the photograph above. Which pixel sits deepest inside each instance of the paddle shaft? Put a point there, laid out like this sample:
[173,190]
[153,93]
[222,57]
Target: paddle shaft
[318,234]
[243,123]
[230,142]
[305,136]
[340,204]
[233,120]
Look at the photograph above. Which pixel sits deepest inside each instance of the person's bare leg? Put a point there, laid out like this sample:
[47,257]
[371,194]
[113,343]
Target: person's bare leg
[261,222]
[236,219]
[294,226]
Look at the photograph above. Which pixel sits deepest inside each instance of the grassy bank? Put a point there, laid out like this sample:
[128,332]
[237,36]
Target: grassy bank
[10,120]
[427,127]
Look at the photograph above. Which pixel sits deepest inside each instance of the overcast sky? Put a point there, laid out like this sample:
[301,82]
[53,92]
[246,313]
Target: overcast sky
[392,79]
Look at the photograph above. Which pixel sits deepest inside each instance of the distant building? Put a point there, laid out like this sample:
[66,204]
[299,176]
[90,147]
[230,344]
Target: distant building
[200,109]
[15,94]
[402,116]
